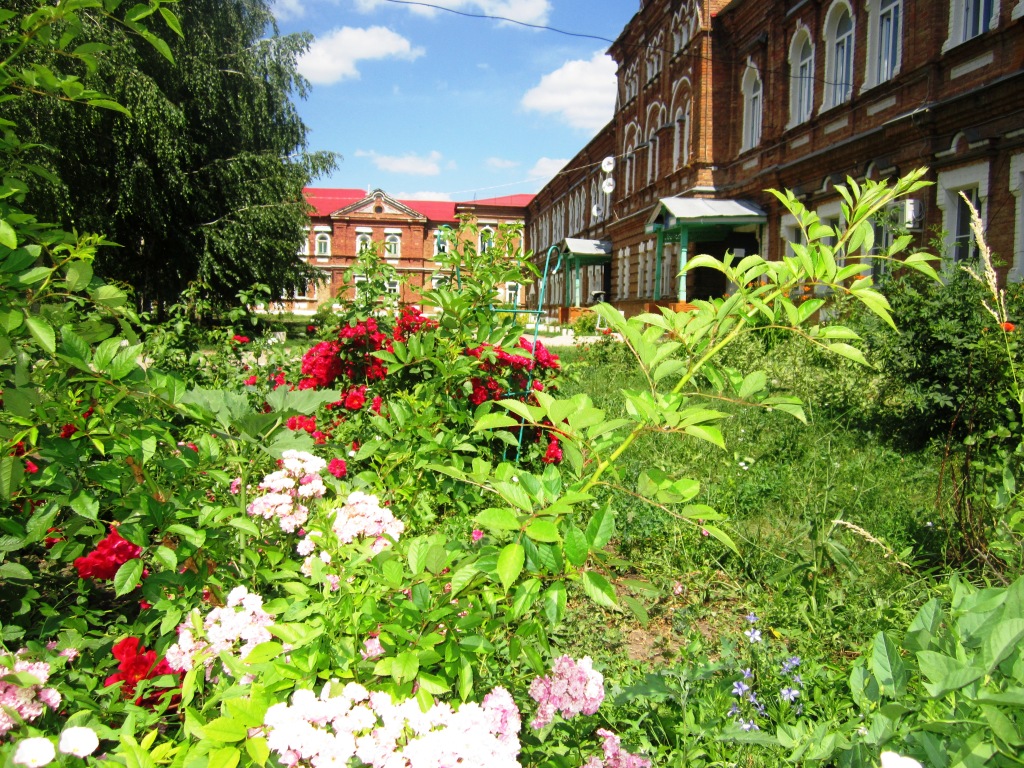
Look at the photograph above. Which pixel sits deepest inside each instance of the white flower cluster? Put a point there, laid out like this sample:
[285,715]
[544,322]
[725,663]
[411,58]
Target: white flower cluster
[330,730]
[236,628]
[296,481]
[362,515]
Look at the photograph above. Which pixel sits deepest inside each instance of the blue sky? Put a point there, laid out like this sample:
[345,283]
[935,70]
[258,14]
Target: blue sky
[425,103]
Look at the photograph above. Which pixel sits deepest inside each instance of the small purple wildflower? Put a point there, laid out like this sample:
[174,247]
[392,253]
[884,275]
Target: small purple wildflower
[790,664]
[739,688]
[789,694]
[754,635]
[751,617]
[748,673]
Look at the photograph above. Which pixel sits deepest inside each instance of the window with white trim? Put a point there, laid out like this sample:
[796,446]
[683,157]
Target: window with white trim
[681,138]
[304,247]
[885,41]
[512,294]
[653,147]
[1017,190]
[359,281]
[969,19]
[486,239]
[752,107]
[393,246]
[441,241]
[392,287]
[801,78]
[323,244]
[972,180]
[839,40]
[363,243]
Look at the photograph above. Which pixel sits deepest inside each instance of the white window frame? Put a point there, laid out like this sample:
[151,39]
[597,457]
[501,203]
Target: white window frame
[440,243]
[652,156]
[304,247]
[753,107]
[1018,11]
[681,139]
[363,242]
[947,194]
[801,77]
[486,239]
[394,287]
[392,246]
[968,20]
[357,283]
[839,55]
[885,41]
[512,294]
[323,244]
[1017,190]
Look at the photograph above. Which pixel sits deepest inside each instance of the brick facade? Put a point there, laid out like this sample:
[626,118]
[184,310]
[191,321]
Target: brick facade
[858,88]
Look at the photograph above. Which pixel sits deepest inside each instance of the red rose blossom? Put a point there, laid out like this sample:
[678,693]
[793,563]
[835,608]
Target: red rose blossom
[110,554]
[337,467]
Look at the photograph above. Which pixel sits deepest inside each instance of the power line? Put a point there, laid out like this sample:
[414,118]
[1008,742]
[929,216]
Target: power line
[492,17]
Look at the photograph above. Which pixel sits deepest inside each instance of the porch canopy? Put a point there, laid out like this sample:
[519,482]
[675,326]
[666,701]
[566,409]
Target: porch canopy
[682,219]
[576,253]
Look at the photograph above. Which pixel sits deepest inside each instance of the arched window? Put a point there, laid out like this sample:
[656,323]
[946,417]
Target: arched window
[323,244]
[752,107]
[393,246]
[486,239]
[801,78]
[681,137]
[363,243]
[839,37]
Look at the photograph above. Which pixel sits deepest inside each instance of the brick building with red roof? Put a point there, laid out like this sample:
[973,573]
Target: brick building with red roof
[345,221]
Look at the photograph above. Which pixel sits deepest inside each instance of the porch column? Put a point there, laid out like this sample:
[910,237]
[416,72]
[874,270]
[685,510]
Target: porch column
[579,286]
[684,243]
[657,264]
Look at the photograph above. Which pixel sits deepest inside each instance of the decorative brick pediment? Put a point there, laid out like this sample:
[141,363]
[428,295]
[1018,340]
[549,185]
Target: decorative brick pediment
[378,204]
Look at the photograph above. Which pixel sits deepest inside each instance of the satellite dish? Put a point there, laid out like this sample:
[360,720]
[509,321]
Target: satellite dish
[597,211]
[607,186]
[608,164]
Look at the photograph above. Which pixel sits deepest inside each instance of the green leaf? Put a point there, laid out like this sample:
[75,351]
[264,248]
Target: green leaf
[127,577]
[888,667]
[599,590]
[8,237]
[15,572]
[224,729]
[601,528]
[264,652]
[79,275]
[722,536]
[576,547]
[42,332]
[501,519]
[553,601]
[543,530]
[510,564]
[494,420]
[1004,638]
[405,667]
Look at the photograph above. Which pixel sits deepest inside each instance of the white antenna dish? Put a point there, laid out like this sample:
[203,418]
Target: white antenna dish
[608,164]
[608,186]
[597,211]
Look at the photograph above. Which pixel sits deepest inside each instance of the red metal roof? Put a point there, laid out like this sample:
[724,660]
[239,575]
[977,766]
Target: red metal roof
[327,201]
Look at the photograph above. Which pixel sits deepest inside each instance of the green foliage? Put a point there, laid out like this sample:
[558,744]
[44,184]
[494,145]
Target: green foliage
[199,176]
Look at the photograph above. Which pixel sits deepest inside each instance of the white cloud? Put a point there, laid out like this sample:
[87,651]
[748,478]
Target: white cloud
[288,9]
[500,164]
[410,163]
[334,56]
[580,93]
[526,11]
[546,168]
[439,196]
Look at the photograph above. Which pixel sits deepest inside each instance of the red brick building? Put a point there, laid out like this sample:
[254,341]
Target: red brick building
[721,100]
[410,232]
